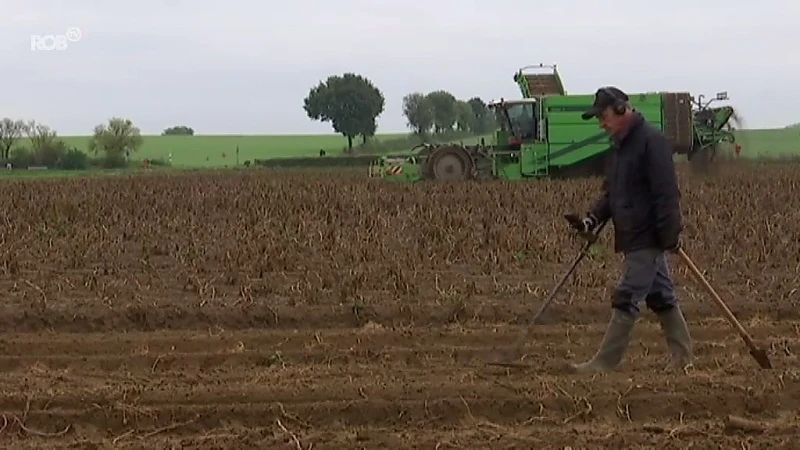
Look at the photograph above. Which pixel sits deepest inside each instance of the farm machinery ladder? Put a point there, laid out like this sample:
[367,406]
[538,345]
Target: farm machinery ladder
[542,163]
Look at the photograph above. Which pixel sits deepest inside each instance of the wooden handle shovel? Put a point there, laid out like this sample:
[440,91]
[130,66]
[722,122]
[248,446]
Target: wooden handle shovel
[758,354]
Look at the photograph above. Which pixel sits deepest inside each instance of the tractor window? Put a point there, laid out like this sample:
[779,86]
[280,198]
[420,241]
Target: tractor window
[520,110]
[522,119]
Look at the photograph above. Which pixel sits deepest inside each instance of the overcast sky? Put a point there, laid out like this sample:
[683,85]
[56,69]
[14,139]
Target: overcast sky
[244,66]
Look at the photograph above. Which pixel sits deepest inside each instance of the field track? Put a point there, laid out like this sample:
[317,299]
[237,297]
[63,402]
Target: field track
[263,310]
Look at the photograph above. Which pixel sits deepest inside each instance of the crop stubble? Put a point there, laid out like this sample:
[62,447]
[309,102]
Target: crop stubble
[272,310]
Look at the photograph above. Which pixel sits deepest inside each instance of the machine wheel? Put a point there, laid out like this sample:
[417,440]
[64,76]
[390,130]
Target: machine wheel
[702,160]
[450,163]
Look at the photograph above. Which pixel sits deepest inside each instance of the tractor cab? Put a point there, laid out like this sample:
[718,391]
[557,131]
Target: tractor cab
[517,121]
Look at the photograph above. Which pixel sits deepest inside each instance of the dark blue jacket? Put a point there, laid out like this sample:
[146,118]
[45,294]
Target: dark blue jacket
[641,192]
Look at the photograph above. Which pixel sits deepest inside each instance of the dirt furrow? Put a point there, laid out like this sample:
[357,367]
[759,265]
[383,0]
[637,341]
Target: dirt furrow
[371,336]
[468,403]
[667,434]
[463,311]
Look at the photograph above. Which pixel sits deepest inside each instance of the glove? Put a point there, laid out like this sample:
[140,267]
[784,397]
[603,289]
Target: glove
[583,225]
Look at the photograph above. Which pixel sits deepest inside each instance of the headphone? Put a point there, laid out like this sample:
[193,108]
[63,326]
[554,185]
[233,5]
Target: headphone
[619,105]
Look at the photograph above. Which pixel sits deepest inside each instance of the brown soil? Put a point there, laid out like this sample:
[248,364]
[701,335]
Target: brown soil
[257,310]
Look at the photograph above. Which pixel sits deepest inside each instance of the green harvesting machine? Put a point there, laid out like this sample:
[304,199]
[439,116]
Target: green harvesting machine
[542,134]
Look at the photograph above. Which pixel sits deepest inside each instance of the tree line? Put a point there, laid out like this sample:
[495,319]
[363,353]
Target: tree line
[440,112]
[29,143]
[351,103]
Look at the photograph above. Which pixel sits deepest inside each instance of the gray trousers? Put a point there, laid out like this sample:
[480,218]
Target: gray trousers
[645,277]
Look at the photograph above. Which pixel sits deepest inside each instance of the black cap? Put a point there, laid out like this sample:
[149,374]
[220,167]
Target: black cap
[603,98]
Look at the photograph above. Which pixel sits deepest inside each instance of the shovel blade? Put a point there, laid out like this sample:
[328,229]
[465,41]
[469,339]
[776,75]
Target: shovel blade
[760,355]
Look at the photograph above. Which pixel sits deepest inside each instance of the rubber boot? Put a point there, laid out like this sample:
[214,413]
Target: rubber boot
[615,343]
[679,341]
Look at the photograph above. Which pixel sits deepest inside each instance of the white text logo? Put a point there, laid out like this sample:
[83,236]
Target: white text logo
[50,42]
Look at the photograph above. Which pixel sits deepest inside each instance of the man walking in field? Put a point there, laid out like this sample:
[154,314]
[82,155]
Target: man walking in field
[641,196]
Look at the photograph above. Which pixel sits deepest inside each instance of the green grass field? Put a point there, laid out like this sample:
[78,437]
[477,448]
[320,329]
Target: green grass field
[220,150]
[770,143]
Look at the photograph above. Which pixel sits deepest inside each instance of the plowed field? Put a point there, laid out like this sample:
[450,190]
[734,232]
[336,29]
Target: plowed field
[264,310]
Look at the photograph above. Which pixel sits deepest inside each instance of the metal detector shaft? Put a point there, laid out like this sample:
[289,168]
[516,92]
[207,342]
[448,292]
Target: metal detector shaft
[591,238]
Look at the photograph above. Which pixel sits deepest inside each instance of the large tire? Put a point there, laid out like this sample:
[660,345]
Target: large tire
[451,163]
